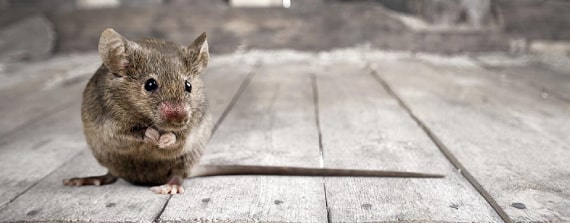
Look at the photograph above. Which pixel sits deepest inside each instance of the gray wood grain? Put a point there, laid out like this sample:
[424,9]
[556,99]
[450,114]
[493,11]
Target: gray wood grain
[37,150]
[30,92]
[508,156]
[49,200]
[27,110]
[532,94]
[363,127]
[41,127]
[272,123]
[223,79]
[249,199]
[30,78]
[550,79]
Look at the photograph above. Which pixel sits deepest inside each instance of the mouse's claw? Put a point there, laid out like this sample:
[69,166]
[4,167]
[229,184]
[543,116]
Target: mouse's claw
[168,189]
[174,186]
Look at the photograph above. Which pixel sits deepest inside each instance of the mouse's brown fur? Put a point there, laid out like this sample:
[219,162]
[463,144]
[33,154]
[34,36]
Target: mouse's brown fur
[122,121]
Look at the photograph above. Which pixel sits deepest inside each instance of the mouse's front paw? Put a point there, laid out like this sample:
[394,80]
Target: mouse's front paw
[163,141]
[151,136]
[166,140]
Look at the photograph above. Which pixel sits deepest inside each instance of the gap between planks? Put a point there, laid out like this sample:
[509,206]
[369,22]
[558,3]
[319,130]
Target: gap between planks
[29,124]
[266,116]
[443,148]
[317,118]
[230,106]
[40,180]
[315,87]
[227,110]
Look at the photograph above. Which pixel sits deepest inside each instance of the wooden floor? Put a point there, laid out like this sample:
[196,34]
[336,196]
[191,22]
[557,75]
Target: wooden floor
[499,132]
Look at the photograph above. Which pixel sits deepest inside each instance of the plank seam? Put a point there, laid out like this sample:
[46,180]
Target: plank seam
[227,110]
[42,179]
[321,151]
[317,119]
[329,218]
[157,218]
[443,149]
[235,98]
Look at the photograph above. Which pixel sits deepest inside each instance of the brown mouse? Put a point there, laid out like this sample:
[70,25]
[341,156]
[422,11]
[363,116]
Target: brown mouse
[145,117]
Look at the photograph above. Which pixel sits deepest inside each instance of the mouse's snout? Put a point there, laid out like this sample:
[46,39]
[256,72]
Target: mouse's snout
[173,112]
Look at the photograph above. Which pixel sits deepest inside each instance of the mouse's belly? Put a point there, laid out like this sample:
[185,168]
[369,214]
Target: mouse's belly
[143,172]
[143,169]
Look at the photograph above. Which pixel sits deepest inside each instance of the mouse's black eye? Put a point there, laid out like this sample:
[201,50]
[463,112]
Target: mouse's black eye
[188,86]
[151,85]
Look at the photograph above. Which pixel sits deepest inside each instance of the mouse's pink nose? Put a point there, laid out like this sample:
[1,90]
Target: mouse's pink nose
[173,112]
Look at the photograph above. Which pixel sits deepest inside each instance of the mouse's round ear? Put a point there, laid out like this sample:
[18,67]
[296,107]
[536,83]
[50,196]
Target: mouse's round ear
[112,49]
[198,55]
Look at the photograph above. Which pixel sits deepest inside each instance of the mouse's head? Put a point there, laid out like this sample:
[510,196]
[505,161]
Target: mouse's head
[156,80]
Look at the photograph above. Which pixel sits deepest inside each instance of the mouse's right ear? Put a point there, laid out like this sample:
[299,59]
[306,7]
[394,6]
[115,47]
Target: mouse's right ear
[113,48]
[198,54]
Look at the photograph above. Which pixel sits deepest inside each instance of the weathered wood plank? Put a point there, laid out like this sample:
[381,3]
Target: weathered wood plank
[26,111]
[272,123]
[548,81]
[531,93]
[536,95]
[551,81]
[32,91]
[513,161]
[22,77]
[37,150]
[51,201]
[363,127]
[39,132]
[249,199]
[223,80]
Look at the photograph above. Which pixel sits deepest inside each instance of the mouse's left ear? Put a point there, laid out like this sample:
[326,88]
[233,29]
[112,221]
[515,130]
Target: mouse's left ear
[198,54]
[113,50]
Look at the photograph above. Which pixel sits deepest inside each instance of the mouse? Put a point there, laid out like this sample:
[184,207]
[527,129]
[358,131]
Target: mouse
[145,118]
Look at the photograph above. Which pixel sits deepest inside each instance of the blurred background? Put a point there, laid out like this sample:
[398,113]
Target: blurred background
[36,29]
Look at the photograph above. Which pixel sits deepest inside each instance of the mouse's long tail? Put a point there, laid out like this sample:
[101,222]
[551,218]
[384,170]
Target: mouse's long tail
[217,170]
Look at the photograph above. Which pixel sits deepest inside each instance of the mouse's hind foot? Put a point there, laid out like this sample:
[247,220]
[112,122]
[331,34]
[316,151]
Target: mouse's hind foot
[93,180]
[174,186]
